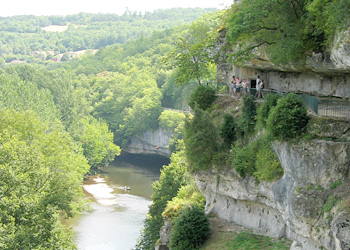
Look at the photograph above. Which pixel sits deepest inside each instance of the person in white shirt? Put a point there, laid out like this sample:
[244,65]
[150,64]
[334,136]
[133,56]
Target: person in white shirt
[257,94]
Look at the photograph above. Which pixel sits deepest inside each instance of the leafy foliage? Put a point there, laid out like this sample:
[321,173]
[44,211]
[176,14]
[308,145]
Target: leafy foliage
[40,176]
[53,96]
[129,104]
[190,229]
[268,167]
[172,177]
[191,56]
[170,119]
[227,130]
[258,159]
[97,142]
[288,119]
[286,30]
[175,122]
[247,120]
[244,158]
[326,17]
[188,196]
[22,96]
[202,96]
[263,111]
[201,140]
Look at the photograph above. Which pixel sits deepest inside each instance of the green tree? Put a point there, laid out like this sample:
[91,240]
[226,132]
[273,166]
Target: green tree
[129,104]
[171,119]
[201,140]
[227,130]
[263,111]
[287,30]
[172,177]
[22,96]
[65,57]
[277,26]
[41,173]
[190,229]
[97,142]
[247,119]
[192,57]
[203,96]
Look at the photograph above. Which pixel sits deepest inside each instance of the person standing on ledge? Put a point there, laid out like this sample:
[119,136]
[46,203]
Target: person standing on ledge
[257,87]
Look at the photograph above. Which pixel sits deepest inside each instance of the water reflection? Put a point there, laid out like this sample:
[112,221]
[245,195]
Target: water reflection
[118,214]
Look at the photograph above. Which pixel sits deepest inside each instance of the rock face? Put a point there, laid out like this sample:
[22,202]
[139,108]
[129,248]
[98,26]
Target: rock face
[150,142]
[164,235]
[326,74]
[300,206]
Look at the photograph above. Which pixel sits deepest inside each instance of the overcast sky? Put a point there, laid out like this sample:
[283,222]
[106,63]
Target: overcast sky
[67,7]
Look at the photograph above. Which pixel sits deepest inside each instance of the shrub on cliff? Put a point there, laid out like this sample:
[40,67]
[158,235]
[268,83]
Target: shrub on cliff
[247,120]
[288,119]
[244,157]
[263,111]
[190,229]
[203,96]
[227,130]
[268,167]
[201,140]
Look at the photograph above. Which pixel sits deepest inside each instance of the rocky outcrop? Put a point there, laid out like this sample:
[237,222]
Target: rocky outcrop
[300,206]
[150,142]
[164,235]
[323,74]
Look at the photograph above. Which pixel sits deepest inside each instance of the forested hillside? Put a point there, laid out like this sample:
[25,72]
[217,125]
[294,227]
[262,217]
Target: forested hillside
[36,38]
[60,121]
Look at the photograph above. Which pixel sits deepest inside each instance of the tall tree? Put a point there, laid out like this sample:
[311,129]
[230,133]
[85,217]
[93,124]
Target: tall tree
[193,58]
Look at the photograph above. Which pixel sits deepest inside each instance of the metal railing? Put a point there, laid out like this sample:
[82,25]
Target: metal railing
[335,108]
[320,106]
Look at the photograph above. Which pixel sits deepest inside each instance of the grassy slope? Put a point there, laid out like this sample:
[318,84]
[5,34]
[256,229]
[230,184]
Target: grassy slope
[227,236]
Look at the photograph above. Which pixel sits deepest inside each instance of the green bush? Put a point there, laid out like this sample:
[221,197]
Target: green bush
[188,195]
[288,119]
[227,130]
[190,229]
[244,158]
[247,120]
[202,96]
[268,167]
[263,112]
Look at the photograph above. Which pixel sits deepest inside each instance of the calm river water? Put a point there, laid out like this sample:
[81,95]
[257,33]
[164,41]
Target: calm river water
[118,214]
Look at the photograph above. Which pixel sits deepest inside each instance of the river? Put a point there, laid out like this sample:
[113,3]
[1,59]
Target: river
[117,213]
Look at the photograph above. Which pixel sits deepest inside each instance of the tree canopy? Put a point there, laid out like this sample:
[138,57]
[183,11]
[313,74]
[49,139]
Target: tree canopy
[287,30]
[41,174]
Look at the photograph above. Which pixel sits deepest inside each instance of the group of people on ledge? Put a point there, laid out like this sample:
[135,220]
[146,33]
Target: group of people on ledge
[240,87]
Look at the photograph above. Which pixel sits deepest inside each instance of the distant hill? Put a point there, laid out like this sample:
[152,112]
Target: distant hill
[22,37]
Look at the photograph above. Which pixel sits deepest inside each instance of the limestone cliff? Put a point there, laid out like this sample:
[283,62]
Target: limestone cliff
[150,142]
[310,204]
[324,74]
